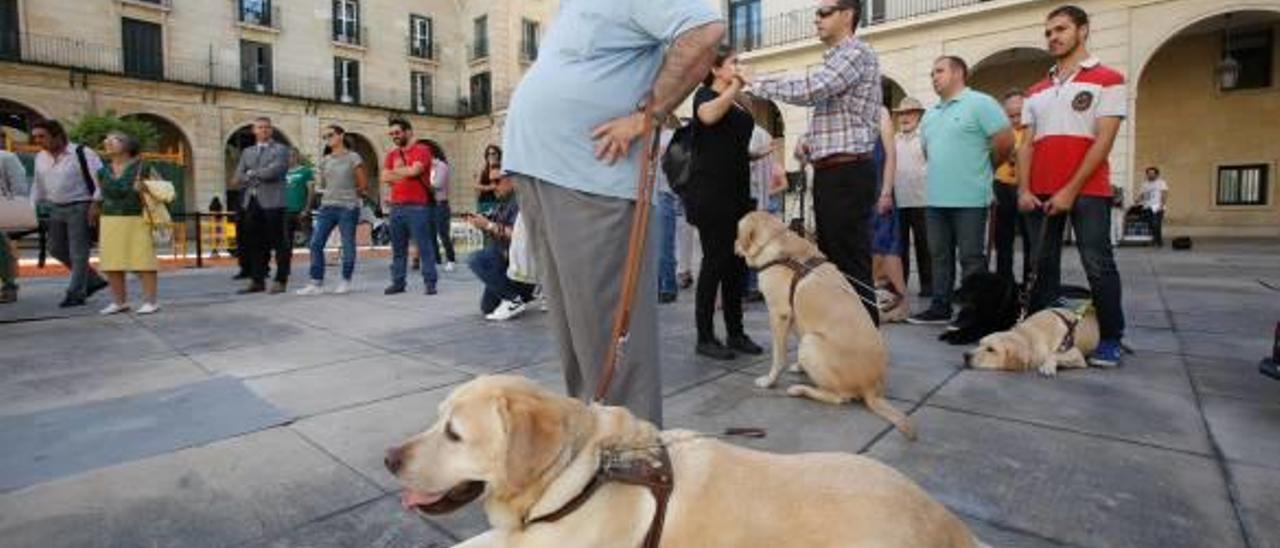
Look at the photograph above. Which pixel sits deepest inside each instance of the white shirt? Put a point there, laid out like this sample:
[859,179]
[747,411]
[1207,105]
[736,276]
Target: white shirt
[60,181]
[762,169]
[1153,194]
[910,180]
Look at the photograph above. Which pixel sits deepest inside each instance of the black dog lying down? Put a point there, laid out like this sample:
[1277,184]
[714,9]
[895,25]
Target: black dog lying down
[989,304]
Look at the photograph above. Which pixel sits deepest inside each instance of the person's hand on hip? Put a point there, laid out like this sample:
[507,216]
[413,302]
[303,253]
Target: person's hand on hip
[613,138]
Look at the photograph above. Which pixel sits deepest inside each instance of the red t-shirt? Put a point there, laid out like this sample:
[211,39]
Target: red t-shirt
[1064,116]
[410,190]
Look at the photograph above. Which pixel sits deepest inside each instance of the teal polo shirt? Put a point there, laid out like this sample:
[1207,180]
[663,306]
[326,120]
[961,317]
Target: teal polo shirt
[957,139]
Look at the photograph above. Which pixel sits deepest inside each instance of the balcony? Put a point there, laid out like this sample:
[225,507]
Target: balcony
[256,19]
[93,58]
[357,38]
[428,52]
[528,51]
[160,5]
[797,25]
[478,50]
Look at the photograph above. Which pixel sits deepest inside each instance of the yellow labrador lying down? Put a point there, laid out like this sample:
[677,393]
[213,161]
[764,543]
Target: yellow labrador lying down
[529,453]
[1049,339]
[840,347]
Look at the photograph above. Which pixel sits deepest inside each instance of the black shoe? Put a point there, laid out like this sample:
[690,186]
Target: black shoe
[430,289]
[742,343]
[95,287]
[393,290]
[71,302]
[714,350]
[666,298]
[932,316]
[241,276]
[754,297]
[256,287]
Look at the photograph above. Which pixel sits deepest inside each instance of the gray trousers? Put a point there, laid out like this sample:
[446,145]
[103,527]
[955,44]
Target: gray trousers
[69,243]
[579,242]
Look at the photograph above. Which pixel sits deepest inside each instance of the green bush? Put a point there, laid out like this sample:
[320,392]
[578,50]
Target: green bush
[92,128]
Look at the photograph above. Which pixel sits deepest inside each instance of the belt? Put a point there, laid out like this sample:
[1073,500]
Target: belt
[839,159]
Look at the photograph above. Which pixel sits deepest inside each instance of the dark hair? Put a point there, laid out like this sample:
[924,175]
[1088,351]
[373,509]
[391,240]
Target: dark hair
[957,63]
[401,123]
[1155,169]
[52,127]
[484,173]
[723,53]
[347,142]
[437,152]
[1074,13]
[1013,92]
[856,7]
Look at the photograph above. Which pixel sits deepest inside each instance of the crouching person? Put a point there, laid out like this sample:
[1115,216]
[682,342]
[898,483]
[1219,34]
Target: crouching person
[503,298]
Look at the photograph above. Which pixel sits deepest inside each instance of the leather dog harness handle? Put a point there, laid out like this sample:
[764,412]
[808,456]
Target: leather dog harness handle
[653,472]
[799,268]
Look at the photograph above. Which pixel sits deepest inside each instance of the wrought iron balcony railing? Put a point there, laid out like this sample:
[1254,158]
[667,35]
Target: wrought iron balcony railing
[797,25]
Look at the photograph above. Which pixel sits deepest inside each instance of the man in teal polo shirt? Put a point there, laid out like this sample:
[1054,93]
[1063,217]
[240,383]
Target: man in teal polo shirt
[965,135]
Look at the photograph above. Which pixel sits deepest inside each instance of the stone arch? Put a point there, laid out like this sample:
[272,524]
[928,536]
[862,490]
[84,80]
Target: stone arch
[1157,36]
[369,155]
[891,91]
[174,149]
[15,123]
[1009,68]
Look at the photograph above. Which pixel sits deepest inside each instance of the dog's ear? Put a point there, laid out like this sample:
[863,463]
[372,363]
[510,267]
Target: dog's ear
[536,431]
[746,237]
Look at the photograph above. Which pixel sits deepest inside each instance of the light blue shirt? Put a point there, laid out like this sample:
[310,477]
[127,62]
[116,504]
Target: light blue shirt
[957,141]
[597,62]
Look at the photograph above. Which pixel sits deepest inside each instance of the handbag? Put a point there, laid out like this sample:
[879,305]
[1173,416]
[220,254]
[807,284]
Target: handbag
[16,210]
[677,162]
[156,195]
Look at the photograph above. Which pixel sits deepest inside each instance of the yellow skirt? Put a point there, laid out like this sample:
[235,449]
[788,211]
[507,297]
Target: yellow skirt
[125,245]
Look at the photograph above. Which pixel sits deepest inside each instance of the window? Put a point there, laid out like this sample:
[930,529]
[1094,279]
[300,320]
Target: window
[346,21]
[420,86]
[480,49]
[481,94]
[255,67]
[143,49]
[346,80]
[744,24]
[256,12]
[1244,185]
[420,37]
[875,11]
[10,39]
[1253,50]
[529,40]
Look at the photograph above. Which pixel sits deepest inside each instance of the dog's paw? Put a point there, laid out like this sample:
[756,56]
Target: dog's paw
[795,391]
[765,381]
[1048,371]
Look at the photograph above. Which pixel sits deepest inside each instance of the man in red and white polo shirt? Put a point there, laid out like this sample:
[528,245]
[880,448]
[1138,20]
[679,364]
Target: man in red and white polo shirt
[1074,115]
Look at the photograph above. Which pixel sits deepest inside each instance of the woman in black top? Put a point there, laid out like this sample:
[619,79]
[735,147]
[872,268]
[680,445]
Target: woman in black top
[718,197]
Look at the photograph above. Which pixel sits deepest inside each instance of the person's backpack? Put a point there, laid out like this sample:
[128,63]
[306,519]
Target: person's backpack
[677,162]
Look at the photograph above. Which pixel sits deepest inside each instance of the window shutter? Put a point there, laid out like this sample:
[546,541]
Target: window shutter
[337,79]
[337,18]
[268,68]
[413,91]
[355,80]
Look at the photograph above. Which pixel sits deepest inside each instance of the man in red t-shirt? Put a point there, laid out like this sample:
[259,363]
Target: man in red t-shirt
[1073,117]
[406,169]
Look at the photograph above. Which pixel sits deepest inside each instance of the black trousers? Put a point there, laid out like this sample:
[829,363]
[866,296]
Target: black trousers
[913,227]
[722,271]
[267,231]
[1007,224]
[844,199]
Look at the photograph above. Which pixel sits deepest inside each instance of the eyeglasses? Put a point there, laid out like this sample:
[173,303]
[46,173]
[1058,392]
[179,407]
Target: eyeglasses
[828,11]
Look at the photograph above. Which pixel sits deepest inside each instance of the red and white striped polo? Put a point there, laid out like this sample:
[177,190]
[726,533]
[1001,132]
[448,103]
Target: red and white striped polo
[1063,113]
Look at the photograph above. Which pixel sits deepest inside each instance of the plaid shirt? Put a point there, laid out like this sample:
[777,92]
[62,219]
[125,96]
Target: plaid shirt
[845,95]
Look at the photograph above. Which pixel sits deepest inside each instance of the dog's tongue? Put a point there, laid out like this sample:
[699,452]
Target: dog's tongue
[410,498]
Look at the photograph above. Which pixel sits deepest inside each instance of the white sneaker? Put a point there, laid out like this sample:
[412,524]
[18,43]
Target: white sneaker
[448,267]
[506,311]
[148,308]
[114,308]
[311,289]
[343,288]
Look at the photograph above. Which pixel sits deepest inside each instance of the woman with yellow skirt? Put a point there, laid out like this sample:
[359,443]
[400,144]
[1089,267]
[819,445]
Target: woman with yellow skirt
[125,243]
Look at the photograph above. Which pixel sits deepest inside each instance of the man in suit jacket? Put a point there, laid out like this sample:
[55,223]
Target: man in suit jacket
[260,175]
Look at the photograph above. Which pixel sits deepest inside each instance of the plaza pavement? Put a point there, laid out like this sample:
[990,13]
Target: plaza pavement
[261,420]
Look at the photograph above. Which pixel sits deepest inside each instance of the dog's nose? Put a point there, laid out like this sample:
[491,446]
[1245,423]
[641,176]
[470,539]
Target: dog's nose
[394,459]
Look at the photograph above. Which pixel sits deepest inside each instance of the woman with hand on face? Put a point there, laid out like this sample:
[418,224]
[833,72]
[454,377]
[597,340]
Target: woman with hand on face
[125,241]
[490,176]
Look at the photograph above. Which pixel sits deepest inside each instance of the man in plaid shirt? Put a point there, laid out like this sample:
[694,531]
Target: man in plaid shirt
[843,131]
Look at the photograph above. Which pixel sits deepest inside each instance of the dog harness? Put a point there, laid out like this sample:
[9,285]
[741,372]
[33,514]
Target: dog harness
[799,268]
[1072,322]
[647,467]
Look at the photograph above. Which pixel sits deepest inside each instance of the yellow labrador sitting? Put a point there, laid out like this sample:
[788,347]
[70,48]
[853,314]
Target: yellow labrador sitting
[528,453]
[1045,341]
[840,348]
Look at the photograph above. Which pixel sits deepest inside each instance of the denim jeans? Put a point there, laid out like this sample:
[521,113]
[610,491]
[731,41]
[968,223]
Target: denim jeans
[1091,221]
[69,243]
[412,221]
[667,205]
[490,266]
[443,215]
[345,220]
[951,229]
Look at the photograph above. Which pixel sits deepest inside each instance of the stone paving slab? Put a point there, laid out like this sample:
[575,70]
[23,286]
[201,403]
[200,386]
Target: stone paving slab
[378,524]
[906,380]
[1247,431]
[315,390]
[1232,378]
[34,350]
[222,494]
[1068,487]
[300,352]
[51,444]
[211,329]
[67,387]
[1084,402]
[1258,488]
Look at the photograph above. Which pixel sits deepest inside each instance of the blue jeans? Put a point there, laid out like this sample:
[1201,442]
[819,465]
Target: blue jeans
[668,204]
[415,221]
[345,220]
[951,229]
[490,265]
[1091,221]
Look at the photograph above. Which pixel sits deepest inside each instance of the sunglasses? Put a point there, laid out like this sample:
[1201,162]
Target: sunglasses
[828,11]
[328,136]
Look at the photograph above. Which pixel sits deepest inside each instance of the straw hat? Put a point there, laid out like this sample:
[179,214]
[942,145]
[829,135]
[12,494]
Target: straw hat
[909,104]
